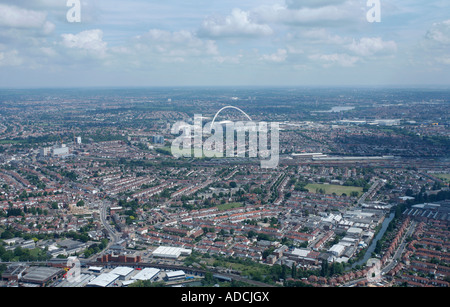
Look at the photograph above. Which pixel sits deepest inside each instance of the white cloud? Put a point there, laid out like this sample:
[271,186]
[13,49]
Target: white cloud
[48,51]
[439,33]
[341,59]
[238,24]
[444,60]
[48,28]
[10,58]
[278,57]
[229,59]
[436,44]
[175,44]
[297,4]
[322,13]
[319,36]
[368,46]
[90,41]
[15,17]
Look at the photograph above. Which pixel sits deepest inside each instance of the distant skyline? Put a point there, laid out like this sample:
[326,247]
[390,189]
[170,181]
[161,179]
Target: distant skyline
[143,43]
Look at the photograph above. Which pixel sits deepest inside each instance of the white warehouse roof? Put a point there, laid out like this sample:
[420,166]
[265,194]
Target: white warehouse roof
[170,252]
[337,249]
[122,271]
[301,252]
[146,274]
[103,280]
[354,230]
[175,274]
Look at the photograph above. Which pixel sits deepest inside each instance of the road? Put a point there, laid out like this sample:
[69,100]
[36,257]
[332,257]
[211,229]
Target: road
[113,235]
[401,248]
[371,192]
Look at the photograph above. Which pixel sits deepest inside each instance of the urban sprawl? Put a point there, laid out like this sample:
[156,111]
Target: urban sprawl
[360,196]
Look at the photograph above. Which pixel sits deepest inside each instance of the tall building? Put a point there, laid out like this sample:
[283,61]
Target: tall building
[157,139]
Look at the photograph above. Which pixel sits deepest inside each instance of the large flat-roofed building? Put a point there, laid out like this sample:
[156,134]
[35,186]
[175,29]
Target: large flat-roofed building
[124,273]
[354,231]
[175,275]
[14,272]
[146,274]
[41,275]
[337,250]
[170,252]
[121,257]
[60,151]
[96,269]
[80,282]
[303,256]
[103,280]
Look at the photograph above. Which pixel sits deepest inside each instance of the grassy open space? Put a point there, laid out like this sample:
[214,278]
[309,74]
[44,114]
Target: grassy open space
[228,206]
[333,188]
[6,142]
[444,177]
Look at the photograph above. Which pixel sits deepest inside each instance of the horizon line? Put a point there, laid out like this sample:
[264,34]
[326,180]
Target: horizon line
[380,86]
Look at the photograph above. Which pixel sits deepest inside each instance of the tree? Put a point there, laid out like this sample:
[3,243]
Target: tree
[325,269]
[354,194]
[294,271]
[7,235]
[7,256]
[336,268]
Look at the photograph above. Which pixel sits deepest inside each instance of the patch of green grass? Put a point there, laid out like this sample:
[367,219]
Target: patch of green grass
[228,206]
[3,142]
[445,177]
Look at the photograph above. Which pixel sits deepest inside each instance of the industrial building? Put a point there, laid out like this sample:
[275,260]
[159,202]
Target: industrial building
[41,275]
[124,276]
[80,282]
[103,280]
[56,151]
[124,273]
[302,256]
[14,272]
[171,252]
[96,269]
[121,258]
[146,274]
[337,250]
[175,275]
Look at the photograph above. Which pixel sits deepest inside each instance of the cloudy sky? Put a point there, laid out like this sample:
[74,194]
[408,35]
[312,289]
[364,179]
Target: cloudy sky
[227,42]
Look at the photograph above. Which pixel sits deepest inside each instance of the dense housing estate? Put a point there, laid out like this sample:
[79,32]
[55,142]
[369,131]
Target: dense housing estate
[100,184]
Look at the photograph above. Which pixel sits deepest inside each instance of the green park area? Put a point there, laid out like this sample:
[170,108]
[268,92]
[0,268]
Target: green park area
[444,177]
[334,188]
[229,206]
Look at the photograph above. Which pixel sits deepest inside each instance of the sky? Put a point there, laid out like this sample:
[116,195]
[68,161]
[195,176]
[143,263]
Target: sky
[224,43]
